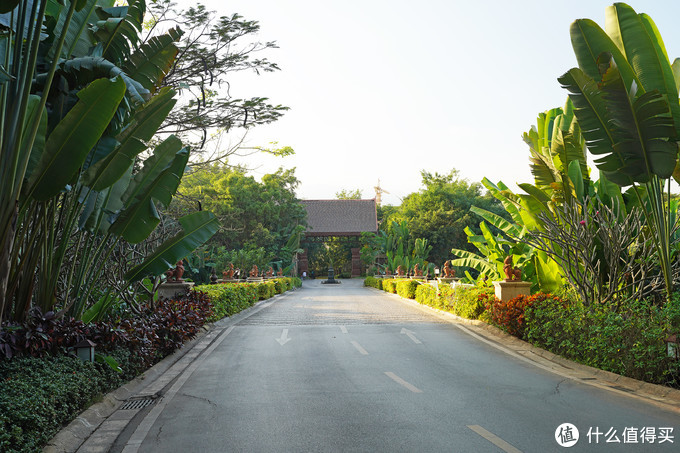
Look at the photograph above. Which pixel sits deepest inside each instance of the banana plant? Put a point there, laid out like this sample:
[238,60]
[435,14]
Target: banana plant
[494,249]
[554,145]
[23,122]
[67,181]
[626,101]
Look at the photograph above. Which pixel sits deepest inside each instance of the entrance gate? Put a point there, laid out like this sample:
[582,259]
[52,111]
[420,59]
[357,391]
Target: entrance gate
[339,219]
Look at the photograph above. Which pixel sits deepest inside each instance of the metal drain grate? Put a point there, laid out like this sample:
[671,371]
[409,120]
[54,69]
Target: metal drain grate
[623,389]
[136,404]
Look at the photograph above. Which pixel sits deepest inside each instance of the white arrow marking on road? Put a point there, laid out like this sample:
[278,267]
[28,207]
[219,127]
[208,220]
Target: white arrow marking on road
[410,334]
[284,337]
[343,329]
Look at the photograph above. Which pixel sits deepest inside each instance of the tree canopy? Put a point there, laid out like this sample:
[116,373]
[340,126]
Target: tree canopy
[212,50]
[253,213]
[440,211]
[347,194]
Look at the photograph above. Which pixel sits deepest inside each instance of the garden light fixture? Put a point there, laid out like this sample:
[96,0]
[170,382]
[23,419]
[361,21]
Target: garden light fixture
[673,347]
[85,350]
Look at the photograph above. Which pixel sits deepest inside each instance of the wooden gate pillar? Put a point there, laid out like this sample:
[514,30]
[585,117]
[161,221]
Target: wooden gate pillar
[303,263]
[356,262]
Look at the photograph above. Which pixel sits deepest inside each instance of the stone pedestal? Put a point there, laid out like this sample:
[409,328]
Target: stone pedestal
[228,280]
[509,290]
[255,279]
[174,290]
[331,277]
[448,280]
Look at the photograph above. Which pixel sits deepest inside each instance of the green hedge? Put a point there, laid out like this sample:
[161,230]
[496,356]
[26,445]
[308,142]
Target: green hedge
[463,301]
[407,288]
[230,298]
[389,285]
[427,295]
[373,282]
[265,290]
[470,302]
[629,342]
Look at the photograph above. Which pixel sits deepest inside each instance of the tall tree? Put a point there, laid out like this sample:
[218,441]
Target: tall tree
[440,212]
[211,50]
[253,214]
[347,194]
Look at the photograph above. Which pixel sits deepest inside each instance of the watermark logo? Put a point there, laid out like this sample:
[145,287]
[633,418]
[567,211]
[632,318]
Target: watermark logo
[566,435]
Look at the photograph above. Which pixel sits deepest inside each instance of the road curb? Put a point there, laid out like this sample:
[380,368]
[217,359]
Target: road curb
[657,394]
[73,437]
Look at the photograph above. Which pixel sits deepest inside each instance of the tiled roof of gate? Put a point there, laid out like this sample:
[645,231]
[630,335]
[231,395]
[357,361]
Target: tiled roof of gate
[328,217]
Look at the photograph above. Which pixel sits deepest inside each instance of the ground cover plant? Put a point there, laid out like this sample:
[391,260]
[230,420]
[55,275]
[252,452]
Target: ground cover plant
[38,395]
[53,385]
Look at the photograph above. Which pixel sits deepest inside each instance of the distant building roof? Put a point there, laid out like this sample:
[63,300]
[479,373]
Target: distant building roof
[340,217]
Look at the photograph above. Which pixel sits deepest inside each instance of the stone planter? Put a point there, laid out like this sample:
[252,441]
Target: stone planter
[174,290]
[509,290]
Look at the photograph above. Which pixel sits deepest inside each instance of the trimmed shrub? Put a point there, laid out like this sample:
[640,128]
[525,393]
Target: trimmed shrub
[373,282]
[470,302]
[427,295]
[466,302]
[229,298]
[407,288]
[629,341]
[278,286]
[266,289]
[510,315]
[389,285]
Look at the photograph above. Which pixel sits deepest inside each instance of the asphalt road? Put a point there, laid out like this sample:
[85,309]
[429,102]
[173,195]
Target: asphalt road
[345,368]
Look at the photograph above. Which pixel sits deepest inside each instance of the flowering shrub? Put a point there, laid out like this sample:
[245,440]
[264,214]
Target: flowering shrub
[389,285]
[426,295]
[509,315]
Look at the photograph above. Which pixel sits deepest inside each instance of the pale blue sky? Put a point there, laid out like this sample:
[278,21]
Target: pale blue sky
[384,89]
